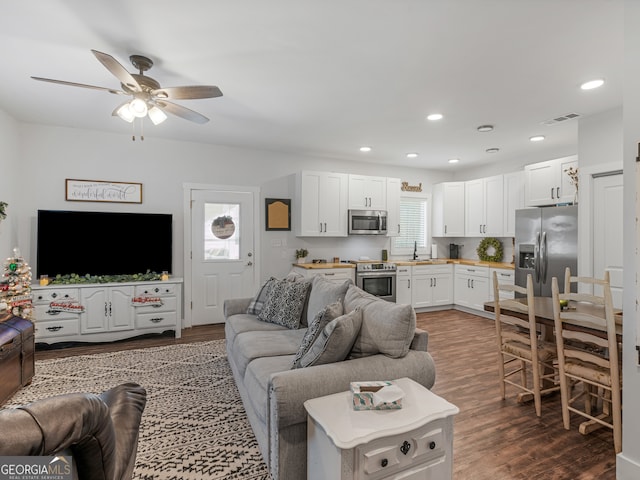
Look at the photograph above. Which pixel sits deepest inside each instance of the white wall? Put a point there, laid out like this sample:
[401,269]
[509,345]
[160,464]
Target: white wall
[628,462]
[163,167]
[600,138]
[10,183]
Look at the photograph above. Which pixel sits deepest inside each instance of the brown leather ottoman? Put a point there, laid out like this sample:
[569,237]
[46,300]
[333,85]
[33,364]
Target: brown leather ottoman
[17,347]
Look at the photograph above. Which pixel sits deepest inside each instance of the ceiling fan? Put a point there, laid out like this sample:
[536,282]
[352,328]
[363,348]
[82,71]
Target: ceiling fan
[148,97]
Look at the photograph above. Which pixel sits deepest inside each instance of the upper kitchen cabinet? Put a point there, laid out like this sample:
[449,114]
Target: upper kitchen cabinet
[367,193]
[448,209]
[393,206]
[513,200]
[547,183]
[321,204]
[484,207]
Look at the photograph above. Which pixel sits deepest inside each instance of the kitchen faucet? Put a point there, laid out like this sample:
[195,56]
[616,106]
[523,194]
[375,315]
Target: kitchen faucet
[415,250]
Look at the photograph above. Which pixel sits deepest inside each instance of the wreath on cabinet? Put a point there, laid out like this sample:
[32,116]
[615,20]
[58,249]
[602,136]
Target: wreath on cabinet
[488,245]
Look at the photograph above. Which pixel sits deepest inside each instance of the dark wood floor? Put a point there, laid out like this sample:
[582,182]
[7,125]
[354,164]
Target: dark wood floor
[494,439]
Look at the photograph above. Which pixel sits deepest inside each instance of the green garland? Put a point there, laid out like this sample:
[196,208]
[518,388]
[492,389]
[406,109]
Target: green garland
[487,243]
[74,278]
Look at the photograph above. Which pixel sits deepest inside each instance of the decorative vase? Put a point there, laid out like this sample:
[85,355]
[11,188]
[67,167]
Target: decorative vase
[575,197]
[301,260]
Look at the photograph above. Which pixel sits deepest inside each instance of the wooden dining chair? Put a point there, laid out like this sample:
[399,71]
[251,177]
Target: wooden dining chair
[588,358]
[519,346]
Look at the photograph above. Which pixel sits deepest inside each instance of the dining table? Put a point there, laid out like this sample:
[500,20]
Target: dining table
[543,308]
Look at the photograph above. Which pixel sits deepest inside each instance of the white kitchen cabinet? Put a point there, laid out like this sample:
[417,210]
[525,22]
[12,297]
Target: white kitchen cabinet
[505,275]
[513,200]
[547,183]
[335,275]
[448,209]
[107,309]
[106,312]
[471,286]
[321,204]
[414,442]
[484,207]
[403,284]
[394,186]
[432,285]
[367,193]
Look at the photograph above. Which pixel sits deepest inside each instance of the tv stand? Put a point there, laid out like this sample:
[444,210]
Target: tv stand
[105,312]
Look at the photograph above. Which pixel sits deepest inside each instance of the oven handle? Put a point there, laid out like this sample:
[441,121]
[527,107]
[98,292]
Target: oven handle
[376,274]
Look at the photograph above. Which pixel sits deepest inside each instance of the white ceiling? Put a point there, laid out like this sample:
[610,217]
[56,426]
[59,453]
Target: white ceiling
[323,77]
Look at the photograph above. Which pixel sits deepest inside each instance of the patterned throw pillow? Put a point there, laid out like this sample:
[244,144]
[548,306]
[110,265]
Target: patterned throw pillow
[335,340]
[285,303]
[256,305]
[324,316]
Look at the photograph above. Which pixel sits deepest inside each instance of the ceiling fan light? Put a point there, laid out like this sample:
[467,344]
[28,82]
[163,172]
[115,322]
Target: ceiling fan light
[138,107]
[124,112]
[156,115]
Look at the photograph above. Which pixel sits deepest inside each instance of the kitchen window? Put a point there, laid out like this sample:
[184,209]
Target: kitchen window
[413,227]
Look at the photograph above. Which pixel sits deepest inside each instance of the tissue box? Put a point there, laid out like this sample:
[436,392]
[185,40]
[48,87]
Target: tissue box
[362,395]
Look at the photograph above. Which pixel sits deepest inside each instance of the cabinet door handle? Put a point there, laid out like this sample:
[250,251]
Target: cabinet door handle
[431,282]
[435,282]
[398,228]
[445,229]
[109,308]
[156,320]
[54,329]
[472,283]
[105,309]
[325,227]
[468,283]
[405,447]
[409,283]
[480,228]
[552,193]
[558,193]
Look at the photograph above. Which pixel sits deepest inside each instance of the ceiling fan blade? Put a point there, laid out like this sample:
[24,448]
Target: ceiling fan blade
[118,70]
[187,93]
[182,112]
[73,84]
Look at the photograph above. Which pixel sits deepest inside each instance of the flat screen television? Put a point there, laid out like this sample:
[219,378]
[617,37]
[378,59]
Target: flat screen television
[102,243]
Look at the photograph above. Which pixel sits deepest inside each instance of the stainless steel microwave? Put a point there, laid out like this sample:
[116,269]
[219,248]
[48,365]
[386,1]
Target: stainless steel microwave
[367,222]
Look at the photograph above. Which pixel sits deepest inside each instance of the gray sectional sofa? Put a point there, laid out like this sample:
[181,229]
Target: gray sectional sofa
[342,334]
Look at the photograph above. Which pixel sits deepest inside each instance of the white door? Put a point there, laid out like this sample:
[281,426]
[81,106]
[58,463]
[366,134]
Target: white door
[607,232]
[222,251]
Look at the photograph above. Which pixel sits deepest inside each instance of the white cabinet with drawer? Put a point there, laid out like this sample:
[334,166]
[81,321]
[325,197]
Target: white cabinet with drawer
[471,286]
[504,276]
[432,285]
[414,442]
[106,312]
[404,284]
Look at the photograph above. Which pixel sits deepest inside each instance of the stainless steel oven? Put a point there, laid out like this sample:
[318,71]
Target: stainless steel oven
[378,279]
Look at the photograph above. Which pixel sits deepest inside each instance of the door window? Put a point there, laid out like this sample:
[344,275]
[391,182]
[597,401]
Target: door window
[221,231]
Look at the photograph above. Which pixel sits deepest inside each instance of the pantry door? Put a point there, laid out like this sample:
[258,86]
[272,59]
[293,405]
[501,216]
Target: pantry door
[223,247]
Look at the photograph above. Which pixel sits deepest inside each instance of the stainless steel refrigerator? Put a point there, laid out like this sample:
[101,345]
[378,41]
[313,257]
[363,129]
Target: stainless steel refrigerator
[546,243]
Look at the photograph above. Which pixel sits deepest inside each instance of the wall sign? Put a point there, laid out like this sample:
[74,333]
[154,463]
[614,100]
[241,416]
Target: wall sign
[101,191]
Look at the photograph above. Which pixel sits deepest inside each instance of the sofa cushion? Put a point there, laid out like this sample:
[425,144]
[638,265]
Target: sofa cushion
[324,316]
[335,341]
[257,378]
[323,292]
[387,327]
[285,303]
[248,346]
[257,304]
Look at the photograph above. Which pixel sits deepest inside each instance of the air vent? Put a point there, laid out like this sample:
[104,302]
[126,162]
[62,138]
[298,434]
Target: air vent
[561,118]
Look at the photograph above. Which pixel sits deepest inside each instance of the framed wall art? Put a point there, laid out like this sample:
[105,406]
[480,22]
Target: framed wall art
[277,213]
[102,191]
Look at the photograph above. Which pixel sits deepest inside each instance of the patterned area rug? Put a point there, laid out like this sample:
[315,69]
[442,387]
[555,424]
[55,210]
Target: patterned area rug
[194,425]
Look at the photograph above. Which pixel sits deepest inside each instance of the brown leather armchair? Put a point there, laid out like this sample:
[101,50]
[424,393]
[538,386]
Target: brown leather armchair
[100,432]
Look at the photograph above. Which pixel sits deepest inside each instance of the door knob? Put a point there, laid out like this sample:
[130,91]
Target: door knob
[249,254]
[249,263]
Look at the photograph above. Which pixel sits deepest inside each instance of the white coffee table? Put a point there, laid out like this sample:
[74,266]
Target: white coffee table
[414,442]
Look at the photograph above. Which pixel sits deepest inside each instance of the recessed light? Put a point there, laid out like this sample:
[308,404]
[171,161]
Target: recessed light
[412,155]
[365,149]
[454,160]
[485,128]
[434,116]
[492,150]
[537,138]
[591,84]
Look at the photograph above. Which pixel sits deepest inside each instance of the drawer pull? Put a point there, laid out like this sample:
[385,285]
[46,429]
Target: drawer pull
[405,447]
[156,320]
[53,312]
[384,462]
[55,329]
[432,445]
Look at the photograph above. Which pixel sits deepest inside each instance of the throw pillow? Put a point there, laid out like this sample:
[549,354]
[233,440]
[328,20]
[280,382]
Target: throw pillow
[323,292]
[285,303]
[256,305]
[335,341]
[387,327]
[324,316]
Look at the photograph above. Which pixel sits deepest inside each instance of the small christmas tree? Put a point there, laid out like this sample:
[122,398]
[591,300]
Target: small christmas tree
[15,286]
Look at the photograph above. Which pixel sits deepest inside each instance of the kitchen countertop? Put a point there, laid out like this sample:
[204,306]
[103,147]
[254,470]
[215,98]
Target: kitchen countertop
[410,263]
[311,266]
